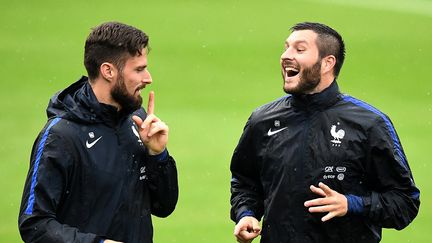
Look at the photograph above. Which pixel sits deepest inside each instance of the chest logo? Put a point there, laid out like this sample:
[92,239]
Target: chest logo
[334,172]
[271,133]
[337,135]
[91,144]
[328,169]
[143,175]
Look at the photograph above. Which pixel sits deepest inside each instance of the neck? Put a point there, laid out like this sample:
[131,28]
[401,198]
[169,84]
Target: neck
[102,90]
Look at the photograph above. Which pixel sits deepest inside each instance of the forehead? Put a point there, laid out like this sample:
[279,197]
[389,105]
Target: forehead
[137,60]
[307,37]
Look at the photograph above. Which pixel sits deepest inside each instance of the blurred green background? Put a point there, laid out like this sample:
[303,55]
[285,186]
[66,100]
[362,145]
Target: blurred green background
[213,63]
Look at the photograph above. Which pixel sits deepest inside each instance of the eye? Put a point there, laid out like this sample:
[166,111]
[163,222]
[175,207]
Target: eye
[300,50]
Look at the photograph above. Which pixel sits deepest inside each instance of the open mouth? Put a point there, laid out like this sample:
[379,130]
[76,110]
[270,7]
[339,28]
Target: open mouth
[290,69]
[291,72]
[138,90]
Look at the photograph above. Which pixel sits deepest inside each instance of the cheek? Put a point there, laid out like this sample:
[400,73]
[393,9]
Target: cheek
[130,86]
[132,80]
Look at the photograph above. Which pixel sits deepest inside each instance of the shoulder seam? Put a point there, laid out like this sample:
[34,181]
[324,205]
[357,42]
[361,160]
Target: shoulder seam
[271,102]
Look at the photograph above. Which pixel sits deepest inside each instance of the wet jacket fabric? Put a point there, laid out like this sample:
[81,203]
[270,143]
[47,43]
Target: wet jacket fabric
[298,141]
[90,177]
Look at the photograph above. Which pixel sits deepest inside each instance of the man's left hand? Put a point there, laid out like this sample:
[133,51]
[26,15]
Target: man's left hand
[332,202]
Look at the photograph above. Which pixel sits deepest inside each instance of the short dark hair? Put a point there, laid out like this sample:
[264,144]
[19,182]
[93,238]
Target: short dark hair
[329,42]
[112,42]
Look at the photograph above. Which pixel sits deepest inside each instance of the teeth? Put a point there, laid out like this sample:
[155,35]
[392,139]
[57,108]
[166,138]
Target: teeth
[290,69]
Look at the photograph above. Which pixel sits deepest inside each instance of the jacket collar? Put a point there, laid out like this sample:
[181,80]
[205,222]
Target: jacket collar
[317,101]
[79,103]
[100,111]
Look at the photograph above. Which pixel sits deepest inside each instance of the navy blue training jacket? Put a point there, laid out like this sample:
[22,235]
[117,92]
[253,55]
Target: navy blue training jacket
[298,141]
[90,177]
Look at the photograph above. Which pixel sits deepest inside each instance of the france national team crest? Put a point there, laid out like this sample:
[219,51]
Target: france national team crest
[337,135]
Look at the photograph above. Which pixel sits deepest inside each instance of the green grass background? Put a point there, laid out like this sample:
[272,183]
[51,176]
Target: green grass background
[212,63]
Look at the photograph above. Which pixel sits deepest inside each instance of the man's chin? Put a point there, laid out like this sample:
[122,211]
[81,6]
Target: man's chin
[131,105]
[290,86]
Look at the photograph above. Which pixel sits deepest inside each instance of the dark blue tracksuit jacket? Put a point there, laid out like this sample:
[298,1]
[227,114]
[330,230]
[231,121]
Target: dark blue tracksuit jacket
[91,178]
[298,141]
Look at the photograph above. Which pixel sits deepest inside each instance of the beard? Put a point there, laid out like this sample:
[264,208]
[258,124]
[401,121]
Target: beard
[310,77]
[128,103]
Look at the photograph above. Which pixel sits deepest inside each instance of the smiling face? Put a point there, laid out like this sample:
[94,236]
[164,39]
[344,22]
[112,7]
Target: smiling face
[300,63]
[134,77]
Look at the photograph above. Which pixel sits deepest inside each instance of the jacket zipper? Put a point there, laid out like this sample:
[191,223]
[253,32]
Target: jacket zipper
[305,143]
[116,131]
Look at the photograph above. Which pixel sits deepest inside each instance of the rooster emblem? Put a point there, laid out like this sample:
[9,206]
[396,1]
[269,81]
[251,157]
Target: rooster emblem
[337,135]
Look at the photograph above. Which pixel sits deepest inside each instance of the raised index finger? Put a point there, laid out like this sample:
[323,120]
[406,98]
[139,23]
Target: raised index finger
[150,105]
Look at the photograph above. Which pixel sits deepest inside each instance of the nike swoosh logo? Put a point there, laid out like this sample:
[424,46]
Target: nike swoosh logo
[89,145]
[270,132]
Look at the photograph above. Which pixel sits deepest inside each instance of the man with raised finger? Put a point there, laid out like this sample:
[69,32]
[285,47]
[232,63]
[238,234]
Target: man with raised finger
[318,165]
[100,167]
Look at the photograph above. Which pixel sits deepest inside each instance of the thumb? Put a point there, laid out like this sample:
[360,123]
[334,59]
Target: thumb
[237,229]
[255,226]
[137,120]
[243,224]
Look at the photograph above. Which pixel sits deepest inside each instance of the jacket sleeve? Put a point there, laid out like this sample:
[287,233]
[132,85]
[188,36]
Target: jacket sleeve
[246,189]
[394,200]
[44,187]
[163,184]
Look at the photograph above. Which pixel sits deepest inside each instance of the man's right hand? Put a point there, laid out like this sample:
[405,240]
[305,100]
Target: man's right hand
[153,132]
[247,229]
[111,241]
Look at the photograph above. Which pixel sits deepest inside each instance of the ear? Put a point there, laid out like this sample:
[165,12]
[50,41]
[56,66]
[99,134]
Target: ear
[328,63]
[108,71]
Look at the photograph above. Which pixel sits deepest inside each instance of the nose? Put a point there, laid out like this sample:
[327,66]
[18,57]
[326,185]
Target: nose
[147,79]
[287,54]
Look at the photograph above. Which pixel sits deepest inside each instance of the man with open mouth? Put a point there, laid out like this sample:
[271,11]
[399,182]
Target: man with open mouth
[318,165]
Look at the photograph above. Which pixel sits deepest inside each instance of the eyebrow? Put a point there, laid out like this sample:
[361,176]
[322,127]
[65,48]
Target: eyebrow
[297,42]
[141,67]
